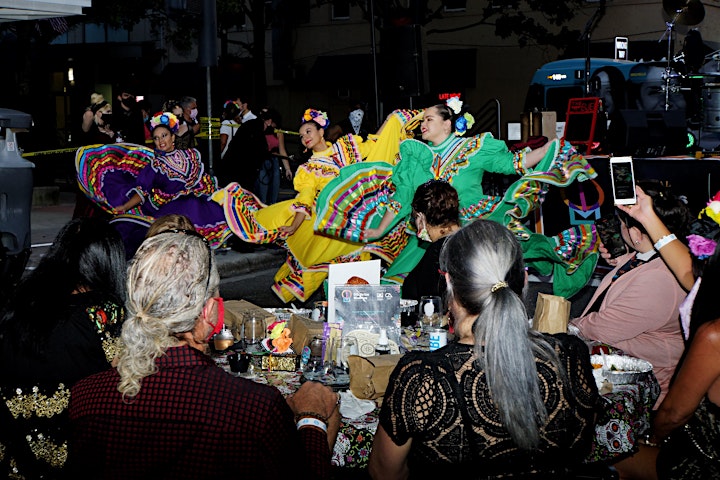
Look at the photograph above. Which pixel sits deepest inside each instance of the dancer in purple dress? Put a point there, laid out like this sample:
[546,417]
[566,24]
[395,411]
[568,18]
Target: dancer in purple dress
[139,185]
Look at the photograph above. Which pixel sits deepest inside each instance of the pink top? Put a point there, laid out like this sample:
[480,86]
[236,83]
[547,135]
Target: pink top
[272,142]
[640,316]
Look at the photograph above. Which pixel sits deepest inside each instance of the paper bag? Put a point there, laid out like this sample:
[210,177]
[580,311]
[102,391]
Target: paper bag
[369,375]
[552,314]
[236,312]
[302,331]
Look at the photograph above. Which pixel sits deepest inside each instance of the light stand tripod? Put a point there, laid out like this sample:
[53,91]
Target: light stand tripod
[667,75]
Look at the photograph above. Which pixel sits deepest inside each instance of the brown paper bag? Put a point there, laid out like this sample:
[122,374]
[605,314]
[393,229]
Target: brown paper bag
[369,375]
[237,310]
[552,314]
[302,331]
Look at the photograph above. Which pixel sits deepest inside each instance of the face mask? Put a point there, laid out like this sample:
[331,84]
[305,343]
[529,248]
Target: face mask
[107,118]
[220,318]
[193,113]
[356,117]
[128,102]
[424,235]
[145,119]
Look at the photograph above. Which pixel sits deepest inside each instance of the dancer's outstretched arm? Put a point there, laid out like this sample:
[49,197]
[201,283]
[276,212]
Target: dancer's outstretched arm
[533,157]
[134,201]
[372,233]
[297,221]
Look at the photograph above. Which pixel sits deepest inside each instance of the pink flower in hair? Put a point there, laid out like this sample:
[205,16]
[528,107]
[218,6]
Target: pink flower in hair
[701,247]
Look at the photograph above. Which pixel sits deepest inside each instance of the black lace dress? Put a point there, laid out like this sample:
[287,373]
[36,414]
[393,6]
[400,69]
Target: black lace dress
[420,403]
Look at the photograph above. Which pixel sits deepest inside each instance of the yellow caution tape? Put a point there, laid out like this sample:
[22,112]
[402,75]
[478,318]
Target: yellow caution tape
[50,152]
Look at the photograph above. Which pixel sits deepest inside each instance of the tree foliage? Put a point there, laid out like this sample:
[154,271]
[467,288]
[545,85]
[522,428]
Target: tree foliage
[531,22]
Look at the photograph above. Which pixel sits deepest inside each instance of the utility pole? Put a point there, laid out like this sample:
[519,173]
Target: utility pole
[208,58]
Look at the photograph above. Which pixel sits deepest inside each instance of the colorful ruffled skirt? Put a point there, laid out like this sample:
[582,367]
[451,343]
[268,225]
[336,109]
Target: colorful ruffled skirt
[308,253]
[356,201]
[107,174]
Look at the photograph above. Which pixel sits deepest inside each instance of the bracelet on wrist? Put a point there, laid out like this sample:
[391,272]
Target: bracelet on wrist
[664,241]
[318,416]
[311,422]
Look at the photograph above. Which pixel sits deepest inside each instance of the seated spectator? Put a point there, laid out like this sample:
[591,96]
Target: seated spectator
[436,214]
[503,399]
[168,411]
[62,323]
[636,306]
[684,442]
[172,221]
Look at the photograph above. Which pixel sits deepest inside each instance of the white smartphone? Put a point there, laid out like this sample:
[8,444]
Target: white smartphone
[623,180]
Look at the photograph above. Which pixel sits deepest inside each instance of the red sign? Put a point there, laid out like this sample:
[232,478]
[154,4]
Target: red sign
[445,96]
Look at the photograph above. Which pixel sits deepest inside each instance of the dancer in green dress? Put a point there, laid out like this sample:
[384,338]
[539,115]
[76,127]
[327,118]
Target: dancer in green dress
[372,203]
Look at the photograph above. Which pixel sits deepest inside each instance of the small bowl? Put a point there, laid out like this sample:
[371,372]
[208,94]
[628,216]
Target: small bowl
[623,369]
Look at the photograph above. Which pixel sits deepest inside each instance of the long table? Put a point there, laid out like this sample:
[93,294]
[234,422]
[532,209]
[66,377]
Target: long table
[624,419]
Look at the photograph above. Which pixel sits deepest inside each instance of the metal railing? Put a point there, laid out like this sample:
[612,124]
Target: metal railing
[487,118]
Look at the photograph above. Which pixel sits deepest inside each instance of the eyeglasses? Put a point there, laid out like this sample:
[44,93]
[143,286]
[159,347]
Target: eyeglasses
[193,233]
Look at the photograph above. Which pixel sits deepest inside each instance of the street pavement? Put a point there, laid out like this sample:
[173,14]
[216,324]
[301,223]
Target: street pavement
[246,276]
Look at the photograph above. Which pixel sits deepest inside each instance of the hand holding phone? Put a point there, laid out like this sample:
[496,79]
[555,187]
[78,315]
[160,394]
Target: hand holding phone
[623,180]
[608,227]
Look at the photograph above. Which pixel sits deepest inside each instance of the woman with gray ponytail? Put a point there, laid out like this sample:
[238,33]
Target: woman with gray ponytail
[503,398]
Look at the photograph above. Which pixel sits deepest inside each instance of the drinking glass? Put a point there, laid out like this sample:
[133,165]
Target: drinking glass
[430,312]
[254,329]
[348,346]
[317,350]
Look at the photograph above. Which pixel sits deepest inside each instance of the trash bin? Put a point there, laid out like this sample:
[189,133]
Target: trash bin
[16,185]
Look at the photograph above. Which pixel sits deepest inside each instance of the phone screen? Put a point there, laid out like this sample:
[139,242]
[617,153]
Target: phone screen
[623,180]
[608,227]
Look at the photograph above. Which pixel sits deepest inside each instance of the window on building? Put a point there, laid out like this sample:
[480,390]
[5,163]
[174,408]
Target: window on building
[101,33]
[455,5]
[341,10]
[503,4]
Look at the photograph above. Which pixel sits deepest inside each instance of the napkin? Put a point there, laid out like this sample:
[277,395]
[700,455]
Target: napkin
[353,407]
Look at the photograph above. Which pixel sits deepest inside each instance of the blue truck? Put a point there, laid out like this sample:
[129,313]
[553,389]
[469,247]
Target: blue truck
[621,84]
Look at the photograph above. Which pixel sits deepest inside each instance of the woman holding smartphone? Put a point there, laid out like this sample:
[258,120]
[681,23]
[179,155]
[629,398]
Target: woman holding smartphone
[636,306]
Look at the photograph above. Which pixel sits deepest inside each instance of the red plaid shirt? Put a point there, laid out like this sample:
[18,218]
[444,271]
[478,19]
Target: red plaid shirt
[190,420]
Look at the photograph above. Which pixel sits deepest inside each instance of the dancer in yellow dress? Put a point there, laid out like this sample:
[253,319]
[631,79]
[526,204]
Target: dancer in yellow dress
[290,223]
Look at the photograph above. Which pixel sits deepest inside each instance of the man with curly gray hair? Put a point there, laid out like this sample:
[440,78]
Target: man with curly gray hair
[168,410]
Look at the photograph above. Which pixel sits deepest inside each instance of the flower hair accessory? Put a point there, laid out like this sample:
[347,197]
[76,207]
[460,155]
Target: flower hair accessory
[713,208]
[701,247]
[166,119]
[455,104]
[463,122]
[312,115]
[231,102]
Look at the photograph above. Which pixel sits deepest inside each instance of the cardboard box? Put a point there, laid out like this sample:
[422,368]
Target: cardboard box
[535,124]
[237,310]
[302,331]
